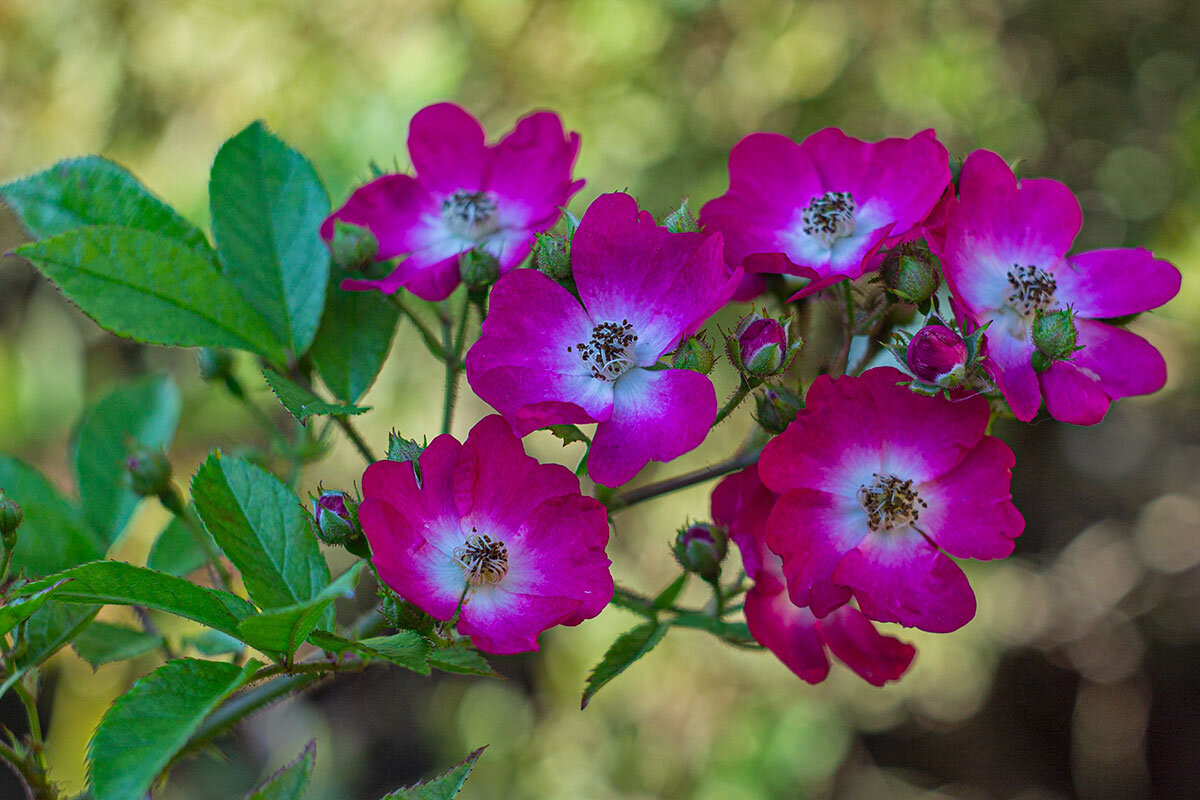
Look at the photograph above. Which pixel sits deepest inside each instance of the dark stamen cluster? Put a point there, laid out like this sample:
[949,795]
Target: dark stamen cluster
[485,559]
[1032,289]
[607,353]
[470,214]
[830,216]
[890,502]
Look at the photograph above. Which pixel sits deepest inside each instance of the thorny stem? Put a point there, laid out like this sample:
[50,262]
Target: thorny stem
[838,367]
[621,500]
[356,439]
[735,400]
[453,347]
[431,339]
[173,502]
[31,714]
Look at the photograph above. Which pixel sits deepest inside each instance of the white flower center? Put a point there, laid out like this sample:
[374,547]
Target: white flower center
[471,215]
[890,502]
[484,559]
[829,217]
[609,353]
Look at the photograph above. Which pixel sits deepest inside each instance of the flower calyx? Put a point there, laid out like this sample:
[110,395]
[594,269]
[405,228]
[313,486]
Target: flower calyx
[694,353]
[335,521]
[681,220]
[149,472]
[911,273]
[700,548]
[10,520]
[1054,336]
[776,407]
[353,247]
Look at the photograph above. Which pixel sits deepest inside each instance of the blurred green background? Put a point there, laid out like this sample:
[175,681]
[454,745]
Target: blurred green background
[1080,677]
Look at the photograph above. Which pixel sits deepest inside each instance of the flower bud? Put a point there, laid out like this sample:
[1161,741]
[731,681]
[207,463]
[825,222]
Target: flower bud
[215,365]
[777,407]
[695,354]
[401,449]
[911,272]
[149,472]
[937,355]
[10,520]
[336,517]
[760,346]
[478,269]
[354,248]
[552,256]
[681,220]
[1054,337]
[700,548]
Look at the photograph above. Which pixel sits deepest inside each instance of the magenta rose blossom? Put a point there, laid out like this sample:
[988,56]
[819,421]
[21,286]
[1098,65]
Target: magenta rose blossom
[878,484]
[823,207]
[741,504]
[464,195]
[1005,259]
[487,524]
[543,359]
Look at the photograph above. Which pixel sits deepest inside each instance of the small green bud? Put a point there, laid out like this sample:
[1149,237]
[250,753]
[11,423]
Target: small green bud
[681,220]
[911,272]
[776,408]
[695,354]
[478,269]
[700,548]
[215,365]
[10,520]
[1054,337]
[335,519]
[354,248]
[401,449]
[552,256]
[149,472]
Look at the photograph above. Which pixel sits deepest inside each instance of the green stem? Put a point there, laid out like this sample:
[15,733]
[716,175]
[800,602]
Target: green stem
[173,502]
[621,500]
[431,339]
[838,367]
[37,787]
[735,400]
[453,347]
[31,713]
[356,439]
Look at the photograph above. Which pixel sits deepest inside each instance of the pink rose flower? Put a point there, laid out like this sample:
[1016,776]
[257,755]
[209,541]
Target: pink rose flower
[1005,260]
[741,503]
[544,359]
[486,524]
[823,207]
[465,194]
[878,485]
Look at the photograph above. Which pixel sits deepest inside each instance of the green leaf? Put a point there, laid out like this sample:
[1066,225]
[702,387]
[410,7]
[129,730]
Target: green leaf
[19,609]
[301,403]
[568,434]
[213,643]
[284,630]
[735,633]
[100,643]
[667,597]
[148,287]
[267,208]
[291,780]
[443,787]
[354,340]
[53,535]
[147,726]
[46,631]
[407,649]
[176,551]
[259,524]
[462,661]
[94,191]
[628,648]
[143,414]
[117,583]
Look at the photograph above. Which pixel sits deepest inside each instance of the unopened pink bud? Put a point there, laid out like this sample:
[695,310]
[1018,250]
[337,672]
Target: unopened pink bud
[937,355]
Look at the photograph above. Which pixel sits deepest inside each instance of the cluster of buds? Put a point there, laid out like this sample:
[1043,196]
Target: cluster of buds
[939,357]
[700,548]
[762,347]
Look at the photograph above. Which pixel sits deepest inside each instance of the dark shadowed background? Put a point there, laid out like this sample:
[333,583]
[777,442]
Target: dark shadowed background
[1080,677]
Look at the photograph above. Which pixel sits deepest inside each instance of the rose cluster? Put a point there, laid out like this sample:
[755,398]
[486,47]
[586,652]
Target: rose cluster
[868,485]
